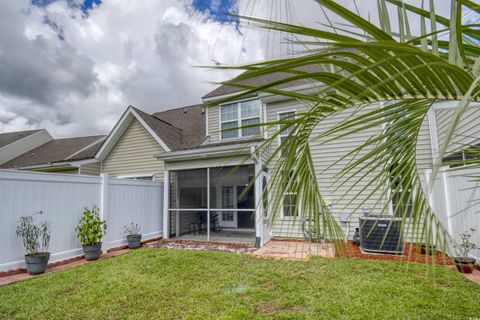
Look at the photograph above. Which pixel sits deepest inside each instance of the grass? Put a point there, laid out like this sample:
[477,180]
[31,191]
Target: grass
[173,284]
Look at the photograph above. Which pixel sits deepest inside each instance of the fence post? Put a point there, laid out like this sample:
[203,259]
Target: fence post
[447,200]
[104,206]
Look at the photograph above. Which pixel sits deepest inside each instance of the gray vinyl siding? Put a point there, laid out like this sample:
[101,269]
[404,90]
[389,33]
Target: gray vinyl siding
[424,148]
[134,154]
[213,123]
[91,169]
[341,198]
[467,132]
[282,227]
[345,199]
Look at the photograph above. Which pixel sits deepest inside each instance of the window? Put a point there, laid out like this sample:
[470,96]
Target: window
[146,177]
[234,116]
[285,133]
[401,195]
[468,156]
[289,208]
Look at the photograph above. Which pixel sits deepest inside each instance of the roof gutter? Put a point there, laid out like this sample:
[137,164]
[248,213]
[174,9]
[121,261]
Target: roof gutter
[310,88]
[208,152]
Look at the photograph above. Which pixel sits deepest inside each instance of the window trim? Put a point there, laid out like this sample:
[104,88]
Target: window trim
[239,118]
[282,211]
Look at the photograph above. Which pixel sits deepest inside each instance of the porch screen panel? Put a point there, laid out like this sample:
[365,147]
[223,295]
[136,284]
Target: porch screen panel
[232,196]
[188,189]
[234,181]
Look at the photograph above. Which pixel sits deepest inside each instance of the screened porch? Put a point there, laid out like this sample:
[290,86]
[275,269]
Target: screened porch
[213,204]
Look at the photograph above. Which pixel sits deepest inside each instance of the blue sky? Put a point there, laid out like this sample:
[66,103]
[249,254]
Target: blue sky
[218,9]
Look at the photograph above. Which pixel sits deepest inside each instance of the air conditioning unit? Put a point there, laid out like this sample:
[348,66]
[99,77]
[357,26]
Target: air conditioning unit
[381,234]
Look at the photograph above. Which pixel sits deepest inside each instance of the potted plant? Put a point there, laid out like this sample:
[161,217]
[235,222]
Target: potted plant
[90,231]
[36,239]
[465,264]
[133,236]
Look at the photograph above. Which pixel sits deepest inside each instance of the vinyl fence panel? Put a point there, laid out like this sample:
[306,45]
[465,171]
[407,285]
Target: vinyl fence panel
[59,199]
[455,197]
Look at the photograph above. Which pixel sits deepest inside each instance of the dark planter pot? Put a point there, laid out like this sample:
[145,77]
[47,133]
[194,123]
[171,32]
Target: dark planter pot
[37,264]
[134,240]
[423,249]
[465,265]
[92,252]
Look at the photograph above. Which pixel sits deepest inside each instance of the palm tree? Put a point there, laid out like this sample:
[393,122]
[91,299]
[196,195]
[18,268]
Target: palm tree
[387,82]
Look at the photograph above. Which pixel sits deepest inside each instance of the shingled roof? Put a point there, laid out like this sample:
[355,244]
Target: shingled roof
[225,89]
[58,150]
[10,137]
[179,128]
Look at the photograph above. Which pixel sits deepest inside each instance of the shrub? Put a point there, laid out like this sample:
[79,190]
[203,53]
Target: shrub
[36,238]
[91,228]
[466,245]
[132,229]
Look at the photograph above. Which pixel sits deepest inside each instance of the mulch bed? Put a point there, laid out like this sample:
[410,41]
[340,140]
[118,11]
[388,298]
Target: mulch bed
[411,253]
[203,245]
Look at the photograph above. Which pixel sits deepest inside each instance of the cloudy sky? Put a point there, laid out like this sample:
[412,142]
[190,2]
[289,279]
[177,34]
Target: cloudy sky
[73,66]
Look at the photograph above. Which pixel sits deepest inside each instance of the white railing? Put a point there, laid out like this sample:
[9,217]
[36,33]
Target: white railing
[61,198]
[455,198]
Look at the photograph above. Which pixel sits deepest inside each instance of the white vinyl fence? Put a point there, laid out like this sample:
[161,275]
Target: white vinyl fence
[61,198]
[455,197]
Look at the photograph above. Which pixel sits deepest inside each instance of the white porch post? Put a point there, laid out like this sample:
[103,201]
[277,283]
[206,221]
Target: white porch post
[104,206]
[259,205]
[166,204]
[208,204]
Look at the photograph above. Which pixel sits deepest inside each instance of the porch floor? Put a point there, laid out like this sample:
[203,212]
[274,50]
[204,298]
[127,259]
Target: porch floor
[222,236]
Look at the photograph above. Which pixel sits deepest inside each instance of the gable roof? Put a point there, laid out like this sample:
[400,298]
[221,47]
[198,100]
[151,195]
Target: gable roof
[191,122]
[174,129]
[225,89]
[58,150]
[11,137]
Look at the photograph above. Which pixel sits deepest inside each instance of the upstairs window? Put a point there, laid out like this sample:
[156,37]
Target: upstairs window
[234,116]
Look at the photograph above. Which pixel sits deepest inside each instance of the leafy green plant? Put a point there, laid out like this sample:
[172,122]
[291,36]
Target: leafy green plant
[91,228]
[36,238]
[132,229]
[466,245]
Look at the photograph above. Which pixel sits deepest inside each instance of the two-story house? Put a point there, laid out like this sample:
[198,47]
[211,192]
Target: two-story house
[207,163]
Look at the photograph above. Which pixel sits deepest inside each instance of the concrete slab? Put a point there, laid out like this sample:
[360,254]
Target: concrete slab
[295,250]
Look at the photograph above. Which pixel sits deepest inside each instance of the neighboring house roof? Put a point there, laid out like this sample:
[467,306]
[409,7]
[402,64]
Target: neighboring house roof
[225,89]
[58,150]
[11,137]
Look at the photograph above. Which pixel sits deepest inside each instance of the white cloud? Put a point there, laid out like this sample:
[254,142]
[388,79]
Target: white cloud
[126,52]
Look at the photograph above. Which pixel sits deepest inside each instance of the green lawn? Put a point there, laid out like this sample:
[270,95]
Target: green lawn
[173,284]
